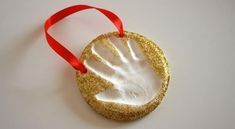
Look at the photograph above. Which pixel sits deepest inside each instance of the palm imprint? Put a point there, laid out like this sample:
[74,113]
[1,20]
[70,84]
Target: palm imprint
[133,78]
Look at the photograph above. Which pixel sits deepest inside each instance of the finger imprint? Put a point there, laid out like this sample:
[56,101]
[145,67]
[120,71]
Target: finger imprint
[121,48]
[136,52]
[99,68]
[106,54]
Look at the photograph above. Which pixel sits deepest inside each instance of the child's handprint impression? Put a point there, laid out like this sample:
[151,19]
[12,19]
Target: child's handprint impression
[134,80]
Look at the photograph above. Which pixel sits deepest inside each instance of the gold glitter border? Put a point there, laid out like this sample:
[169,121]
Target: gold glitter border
[90,84]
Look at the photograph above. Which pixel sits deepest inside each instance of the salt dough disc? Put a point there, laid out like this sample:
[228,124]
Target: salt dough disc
[127,77]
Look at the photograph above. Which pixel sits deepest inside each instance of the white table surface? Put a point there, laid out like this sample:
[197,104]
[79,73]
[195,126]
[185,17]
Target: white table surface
[38,89]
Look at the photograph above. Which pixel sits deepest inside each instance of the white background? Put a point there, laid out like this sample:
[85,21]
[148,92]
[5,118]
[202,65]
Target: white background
[38,89]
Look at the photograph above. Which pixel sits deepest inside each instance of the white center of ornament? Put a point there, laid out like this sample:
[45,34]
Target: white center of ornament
[134,80]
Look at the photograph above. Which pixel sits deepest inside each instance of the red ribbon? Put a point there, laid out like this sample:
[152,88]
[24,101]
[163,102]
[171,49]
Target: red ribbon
[61,50]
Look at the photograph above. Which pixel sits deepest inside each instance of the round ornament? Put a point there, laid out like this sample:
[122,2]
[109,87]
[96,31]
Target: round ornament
[121,75]
[126,78]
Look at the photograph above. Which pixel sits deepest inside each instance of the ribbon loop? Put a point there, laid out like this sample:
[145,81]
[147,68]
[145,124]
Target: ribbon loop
[60,49]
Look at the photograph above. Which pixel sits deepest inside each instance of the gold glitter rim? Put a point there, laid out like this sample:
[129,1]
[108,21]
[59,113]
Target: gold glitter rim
[91,84]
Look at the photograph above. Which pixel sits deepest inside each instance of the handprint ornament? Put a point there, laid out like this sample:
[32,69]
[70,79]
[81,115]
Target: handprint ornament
[127,77]
[121,75]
